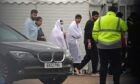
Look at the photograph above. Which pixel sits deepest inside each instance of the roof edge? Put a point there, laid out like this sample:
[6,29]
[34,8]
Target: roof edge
[43,2]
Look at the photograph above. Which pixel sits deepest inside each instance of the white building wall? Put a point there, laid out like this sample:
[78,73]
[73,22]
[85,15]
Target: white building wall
[15,15]
[67,12]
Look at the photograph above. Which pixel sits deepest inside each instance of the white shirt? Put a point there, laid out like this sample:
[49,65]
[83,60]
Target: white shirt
[31,30]
[75,31]
[74,36]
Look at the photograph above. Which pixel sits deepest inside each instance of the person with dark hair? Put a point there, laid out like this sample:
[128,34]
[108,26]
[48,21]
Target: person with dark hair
[78,16]
[90,46]
[107,32]
[38,22]
[38,18]
[133,22]
[34,11]
[123,49]
[124,46]
[75,34]
[119,14]
[113,9]
[31,30]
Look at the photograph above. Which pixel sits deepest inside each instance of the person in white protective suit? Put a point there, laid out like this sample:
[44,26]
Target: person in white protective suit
[58,36]
[75,34]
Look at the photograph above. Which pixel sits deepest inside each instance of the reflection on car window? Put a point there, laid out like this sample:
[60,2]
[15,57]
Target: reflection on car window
[8,34]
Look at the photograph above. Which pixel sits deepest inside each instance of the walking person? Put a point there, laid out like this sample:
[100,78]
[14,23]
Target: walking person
[133,22]
[107,32]
[90,46]
[75,34]
[38,22]
[124,46]
[58,36]
[31,29]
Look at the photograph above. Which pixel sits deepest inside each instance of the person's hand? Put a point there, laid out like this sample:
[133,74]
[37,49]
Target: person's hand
[89,45]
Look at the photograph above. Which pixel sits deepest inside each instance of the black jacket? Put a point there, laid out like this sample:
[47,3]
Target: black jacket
[88,31]
[133,30]
[41,36]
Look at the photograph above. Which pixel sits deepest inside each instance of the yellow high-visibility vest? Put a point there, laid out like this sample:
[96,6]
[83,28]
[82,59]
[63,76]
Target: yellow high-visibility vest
[107,31]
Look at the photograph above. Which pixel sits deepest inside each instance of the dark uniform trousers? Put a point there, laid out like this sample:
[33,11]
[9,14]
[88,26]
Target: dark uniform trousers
[112,56]
[91,54]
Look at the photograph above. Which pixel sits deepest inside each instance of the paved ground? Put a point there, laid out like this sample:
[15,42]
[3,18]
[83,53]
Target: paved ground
[84,79]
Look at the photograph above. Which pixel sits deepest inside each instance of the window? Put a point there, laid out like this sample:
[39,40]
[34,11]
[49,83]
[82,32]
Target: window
[122,10]
[9,34]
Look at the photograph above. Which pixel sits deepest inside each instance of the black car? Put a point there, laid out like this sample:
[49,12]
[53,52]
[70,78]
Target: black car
[21,58]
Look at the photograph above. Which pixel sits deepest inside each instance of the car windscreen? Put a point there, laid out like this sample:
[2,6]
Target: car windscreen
[7,34]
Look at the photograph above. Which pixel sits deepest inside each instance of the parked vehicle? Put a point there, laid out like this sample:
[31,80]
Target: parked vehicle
[21,58]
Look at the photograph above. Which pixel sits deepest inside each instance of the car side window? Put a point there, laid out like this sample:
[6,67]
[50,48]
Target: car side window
[8,34]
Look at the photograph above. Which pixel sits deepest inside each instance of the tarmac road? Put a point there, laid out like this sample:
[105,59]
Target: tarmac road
[86,79]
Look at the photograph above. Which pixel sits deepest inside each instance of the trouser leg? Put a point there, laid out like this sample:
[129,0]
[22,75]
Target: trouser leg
[115,61]
[94,59]
[86,59]
[103,66]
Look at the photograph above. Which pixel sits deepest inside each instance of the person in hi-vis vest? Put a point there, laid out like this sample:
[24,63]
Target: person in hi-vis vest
[107,32]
